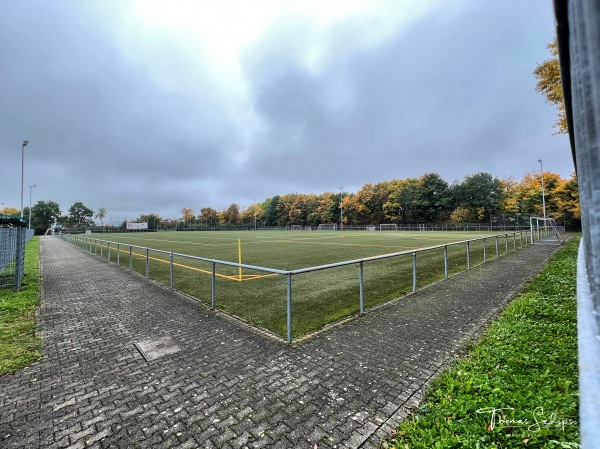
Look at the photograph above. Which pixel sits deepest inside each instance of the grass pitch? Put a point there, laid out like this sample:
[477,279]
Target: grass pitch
[319,297]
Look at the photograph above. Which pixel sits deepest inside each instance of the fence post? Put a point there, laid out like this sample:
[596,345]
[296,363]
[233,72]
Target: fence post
[130,258]
[484,250]
[289,308]
[171,269]
[108,251]
[506,242]
[497,248]
[514,242]
[362,290]
[147,263]
[118,254]
[101,250]
[521,239]
[468,256]
[445,261]
[213,286]
[414,272]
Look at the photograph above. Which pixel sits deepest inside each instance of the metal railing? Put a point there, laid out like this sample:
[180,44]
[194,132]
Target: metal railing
[12,256]
[500,244]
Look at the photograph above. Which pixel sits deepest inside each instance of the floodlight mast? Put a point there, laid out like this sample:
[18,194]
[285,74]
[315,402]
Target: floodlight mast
[25,142]
[543,193]
[341,208]
[30,189]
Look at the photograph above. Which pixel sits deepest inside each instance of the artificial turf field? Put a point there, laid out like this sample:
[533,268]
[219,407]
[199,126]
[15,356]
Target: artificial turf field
[319,297]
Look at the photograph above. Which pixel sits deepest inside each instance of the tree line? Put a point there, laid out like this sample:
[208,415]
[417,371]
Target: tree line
[426,199]
[45,214]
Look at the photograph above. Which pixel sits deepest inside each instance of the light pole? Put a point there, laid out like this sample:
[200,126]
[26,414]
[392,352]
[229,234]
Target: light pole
[25,142]
[30,189]
[543,193]
[341,208]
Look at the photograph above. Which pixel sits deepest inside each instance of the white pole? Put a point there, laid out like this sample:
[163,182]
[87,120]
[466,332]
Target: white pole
[543,193]
[341,208]
[25,142]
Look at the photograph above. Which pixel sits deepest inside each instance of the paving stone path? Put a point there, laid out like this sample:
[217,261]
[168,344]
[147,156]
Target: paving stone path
[229,386]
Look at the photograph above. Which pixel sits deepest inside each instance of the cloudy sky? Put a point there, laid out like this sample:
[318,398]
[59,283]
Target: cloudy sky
[155,105]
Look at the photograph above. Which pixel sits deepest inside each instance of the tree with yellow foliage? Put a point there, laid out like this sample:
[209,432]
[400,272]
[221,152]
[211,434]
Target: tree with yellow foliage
[550,85]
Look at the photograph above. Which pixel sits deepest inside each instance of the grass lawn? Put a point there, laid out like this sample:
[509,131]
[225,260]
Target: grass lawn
[319,297]
[19,346]
[517,388]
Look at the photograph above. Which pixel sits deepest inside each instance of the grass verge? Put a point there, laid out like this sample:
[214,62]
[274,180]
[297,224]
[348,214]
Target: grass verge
[19,345]
[517,387]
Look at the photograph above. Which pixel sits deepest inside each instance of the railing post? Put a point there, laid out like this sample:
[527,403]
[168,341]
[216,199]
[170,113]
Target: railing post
[213,294]
[130,258]
[521,239]
[171,269]
[147,263]
[484,251]
[514,242]
[468,255]
[414,272]
[506,242]
[118,254]
[101,250]
[108,251]
[289,308]
[445,261]
[362,289]
[497,248]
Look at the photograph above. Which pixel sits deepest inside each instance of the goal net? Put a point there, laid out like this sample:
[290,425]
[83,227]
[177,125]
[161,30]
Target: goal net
[296,227]
[545,229]
[327,227]
[388,227]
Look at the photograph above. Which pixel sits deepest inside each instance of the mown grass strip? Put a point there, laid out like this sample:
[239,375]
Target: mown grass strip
[19,345]
[517,387]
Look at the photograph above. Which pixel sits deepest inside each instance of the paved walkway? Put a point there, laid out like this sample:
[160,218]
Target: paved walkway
[230,386]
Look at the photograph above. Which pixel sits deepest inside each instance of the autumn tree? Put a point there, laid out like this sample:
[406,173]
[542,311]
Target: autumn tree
[567,199]
[549,84]
[231,215]
[187,214]
[12,211]
[209,215]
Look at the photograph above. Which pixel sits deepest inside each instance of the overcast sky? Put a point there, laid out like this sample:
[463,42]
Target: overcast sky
[151,106]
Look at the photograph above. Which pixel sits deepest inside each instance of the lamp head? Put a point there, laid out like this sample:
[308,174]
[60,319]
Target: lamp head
[25,142]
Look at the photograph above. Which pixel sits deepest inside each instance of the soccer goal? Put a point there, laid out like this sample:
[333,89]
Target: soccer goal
[296,227]
[327,227]
[545,229]
[388,227]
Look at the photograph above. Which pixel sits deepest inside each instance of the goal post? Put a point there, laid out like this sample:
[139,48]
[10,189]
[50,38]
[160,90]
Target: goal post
[388,227]
[544,228]
[327,227]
